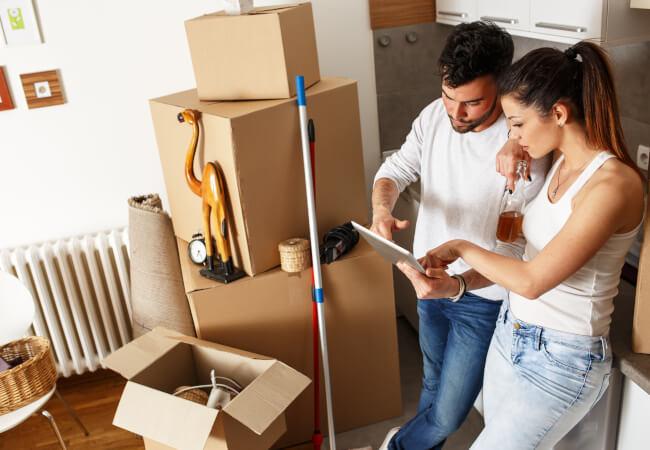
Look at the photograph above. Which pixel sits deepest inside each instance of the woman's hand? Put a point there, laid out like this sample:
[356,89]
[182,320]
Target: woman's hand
[443,255]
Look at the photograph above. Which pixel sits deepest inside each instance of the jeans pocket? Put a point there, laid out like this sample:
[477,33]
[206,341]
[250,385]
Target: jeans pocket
[567,357]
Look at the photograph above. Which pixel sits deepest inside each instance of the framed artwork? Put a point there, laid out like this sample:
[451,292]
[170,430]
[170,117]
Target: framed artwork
[42,89]
[19,23]
[5,96]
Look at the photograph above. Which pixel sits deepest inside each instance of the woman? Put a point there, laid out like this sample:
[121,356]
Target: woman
[549,359]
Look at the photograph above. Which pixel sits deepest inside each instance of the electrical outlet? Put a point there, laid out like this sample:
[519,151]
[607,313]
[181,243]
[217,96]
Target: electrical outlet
[642,157]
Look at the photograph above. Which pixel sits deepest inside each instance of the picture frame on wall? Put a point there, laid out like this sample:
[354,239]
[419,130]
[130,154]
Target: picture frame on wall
[19,23]
[6,101]
[42,89]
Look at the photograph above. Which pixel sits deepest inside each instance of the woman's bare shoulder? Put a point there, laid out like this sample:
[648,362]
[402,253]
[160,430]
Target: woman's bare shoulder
[618,186]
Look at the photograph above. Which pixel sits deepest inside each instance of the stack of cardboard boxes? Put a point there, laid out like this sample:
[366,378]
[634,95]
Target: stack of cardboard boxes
[245,68]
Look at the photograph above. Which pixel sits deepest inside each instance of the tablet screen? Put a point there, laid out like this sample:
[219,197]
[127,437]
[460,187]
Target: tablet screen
[388,249]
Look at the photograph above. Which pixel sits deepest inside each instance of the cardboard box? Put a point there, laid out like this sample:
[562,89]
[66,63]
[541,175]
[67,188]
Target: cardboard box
[641,323]
[162,360]
[255,55]
[257,145]
[272,314]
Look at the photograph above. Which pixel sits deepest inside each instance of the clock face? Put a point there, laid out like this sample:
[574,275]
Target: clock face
[198,253]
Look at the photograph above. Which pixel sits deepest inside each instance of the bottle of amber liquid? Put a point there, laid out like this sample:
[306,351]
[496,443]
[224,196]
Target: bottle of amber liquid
[511,217]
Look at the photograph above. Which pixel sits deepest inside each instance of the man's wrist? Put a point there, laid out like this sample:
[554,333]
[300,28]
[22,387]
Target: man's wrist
[380,210]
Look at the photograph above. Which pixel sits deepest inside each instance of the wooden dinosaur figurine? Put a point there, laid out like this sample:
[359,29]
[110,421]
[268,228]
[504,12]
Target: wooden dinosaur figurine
[213,201]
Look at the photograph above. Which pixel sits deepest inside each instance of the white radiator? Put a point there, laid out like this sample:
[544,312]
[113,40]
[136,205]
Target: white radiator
[81,293]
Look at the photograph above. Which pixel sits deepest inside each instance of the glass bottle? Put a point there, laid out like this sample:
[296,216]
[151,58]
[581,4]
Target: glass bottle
[511,215]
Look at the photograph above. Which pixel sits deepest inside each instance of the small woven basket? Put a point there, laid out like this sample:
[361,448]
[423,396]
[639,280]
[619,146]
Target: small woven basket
[196,395]
[32,378]
[294,255]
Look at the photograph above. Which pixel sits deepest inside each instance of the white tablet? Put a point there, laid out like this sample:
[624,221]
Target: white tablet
[389,250]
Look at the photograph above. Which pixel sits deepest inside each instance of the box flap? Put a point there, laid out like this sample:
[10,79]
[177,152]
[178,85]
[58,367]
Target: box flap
[139,353]
[233,109]
[276,8]
[270,9]
[213,345]
[194,282]
[260,404]
[164,418]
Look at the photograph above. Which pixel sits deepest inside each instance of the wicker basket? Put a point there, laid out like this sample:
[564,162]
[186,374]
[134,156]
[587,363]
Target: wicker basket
[31,379]
[196,395]
[294,255]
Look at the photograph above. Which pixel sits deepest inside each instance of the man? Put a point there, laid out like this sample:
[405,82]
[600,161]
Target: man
[451,149]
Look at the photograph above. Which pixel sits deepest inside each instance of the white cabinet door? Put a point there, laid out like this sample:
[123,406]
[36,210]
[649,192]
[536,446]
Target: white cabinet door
[577,19]
[508,14]
[456,11]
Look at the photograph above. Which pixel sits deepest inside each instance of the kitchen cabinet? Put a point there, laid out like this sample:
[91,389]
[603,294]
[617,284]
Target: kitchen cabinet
[453,12]
[514,14]
[575,19]
[608,22]
[398,13]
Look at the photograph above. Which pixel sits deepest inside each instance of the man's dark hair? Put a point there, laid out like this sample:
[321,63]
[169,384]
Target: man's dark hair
[473,50]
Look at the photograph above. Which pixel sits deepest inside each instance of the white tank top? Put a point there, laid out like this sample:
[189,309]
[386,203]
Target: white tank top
[583,303]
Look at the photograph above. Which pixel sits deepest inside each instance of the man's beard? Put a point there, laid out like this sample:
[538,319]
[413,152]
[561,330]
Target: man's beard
[471,126]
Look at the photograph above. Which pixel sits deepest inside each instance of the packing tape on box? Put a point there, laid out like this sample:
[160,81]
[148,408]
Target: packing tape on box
[294,255]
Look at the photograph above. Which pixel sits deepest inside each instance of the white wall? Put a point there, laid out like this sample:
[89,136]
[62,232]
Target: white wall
[69,169]
[633,425]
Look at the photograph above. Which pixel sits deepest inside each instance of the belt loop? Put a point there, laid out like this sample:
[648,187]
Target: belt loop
[538,338]
[603,343]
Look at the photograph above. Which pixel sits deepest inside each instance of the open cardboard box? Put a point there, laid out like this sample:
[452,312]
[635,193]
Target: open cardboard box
[257,145]
[255,55]
[158,362]
[271,314]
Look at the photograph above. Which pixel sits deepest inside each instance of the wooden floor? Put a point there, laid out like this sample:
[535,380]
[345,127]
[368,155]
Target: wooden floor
[95,397]
[96,412]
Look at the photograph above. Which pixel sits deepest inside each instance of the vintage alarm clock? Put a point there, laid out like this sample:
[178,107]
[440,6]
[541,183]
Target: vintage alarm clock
[197,250]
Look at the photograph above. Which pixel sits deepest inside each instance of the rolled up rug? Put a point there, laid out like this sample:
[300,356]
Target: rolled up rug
[157,292]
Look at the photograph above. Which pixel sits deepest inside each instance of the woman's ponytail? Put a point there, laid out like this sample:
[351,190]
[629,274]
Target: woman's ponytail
[599,101]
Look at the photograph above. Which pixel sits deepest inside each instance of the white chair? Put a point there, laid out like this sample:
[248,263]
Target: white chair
[17,314]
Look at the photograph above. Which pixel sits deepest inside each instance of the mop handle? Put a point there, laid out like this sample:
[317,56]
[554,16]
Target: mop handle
[315,254]
[309,186]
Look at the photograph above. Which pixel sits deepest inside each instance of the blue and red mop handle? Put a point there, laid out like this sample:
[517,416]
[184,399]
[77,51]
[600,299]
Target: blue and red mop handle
[317,436]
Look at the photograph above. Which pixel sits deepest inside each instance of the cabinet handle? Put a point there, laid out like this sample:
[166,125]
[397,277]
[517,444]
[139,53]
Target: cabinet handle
[555,26]
[500,20]
[462,15]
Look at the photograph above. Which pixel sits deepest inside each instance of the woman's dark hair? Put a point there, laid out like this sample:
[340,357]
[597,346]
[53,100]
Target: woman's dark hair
[473,50]
[547,75]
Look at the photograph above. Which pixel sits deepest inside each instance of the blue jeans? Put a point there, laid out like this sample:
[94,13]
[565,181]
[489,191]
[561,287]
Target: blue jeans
[454,339]
[539,383]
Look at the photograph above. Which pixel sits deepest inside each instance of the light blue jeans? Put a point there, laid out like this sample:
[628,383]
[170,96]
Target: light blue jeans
[539,383]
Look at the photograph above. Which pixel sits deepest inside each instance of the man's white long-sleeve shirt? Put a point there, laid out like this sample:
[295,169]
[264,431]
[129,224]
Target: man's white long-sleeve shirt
[461,192]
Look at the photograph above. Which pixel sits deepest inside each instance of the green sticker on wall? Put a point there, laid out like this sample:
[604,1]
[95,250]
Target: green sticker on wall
[16,19]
